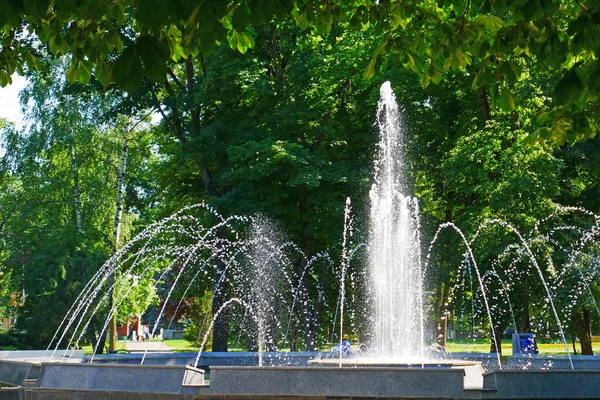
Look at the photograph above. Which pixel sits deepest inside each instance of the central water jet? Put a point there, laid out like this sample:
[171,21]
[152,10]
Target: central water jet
[394,250]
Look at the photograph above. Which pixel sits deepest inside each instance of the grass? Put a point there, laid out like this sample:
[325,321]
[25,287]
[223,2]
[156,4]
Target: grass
[181,345]
[175,345]
[453,346]
[483,346]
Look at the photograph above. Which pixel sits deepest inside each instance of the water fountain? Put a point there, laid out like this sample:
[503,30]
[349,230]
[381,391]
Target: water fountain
[267,296]
[394,244]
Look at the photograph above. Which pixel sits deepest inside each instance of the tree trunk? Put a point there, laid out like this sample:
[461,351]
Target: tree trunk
[522,313]
[221,325]
[443,313]
[498,331]
[515,123]
[583,329]
[120,192]
[112,340]
[76,197]
[484,105]
[444,291]
[90,334]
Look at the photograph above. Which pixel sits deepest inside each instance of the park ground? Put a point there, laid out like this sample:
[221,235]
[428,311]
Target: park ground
[453,346]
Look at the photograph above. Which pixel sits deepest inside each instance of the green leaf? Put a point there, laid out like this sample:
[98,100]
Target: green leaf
[411,62]
[530,9]
[372,67]
[56,43]
[323,23]
[84,71]
[128,71]
[33,7]
[177,52]
[233,40]
[425,79]
[568,89]
[507,101]
[593,74]
[545,133]
[245,42]
[543,117]
[510,69]
[104,45]
[72,74]
[32,61]
[491,23]
[152,51]
[281,8]
[549,6]
[435,73]
[241,17]
[458,60]
[153,13]
[4,79]
[483,77]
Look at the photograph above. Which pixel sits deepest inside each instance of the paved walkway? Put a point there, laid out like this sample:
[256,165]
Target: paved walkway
[140,347]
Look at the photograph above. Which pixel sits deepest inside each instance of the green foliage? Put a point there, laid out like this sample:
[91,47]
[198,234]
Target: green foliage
[133,295]
[123,41]
[198,320]
[59,176]
[286,129]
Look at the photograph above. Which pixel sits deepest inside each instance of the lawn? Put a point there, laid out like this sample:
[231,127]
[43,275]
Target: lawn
[453,346]
[483,346]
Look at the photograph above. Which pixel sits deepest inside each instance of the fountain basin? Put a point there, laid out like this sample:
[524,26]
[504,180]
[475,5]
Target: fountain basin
[472,370]
[438,379]
[121,377]
[39,354]
[346,381]
[539,361]
[15,372]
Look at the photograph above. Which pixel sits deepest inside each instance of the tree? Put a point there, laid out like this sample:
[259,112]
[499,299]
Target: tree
[63,171]
[122,42]
[275,131]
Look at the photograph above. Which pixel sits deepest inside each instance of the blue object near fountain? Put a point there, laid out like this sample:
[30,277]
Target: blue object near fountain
[346,349]
[524,343]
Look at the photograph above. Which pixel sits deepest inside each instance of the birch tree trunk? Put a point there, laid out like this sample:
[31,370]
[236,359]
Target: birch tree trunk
[120,192]
[117,235]
[76,197]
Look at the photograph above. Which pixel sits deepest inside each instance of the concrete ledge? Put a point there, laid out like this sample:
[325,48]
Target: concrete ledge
[540,384]
[326,381]
[549,361]
[39,354]
[121,377]
[297,358]
[13,393]
[151,358]
[73,394]
[15,372]
[489,361]
[209,359]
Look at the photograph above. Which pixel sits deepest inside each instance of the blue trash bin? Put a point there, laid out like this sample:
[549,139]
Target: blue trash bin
[523,343]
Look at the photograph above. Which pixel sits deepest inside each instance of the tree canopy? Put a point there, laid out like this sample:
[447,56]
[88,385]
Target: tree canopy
[121,42]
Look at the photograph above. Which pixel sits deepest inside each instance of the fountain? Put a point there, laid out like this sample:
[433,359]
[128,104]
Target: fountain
[269,297]
[394,244]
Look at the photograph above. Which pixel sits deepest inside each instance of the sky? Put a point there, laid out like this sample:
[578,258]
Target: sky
[9,100]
